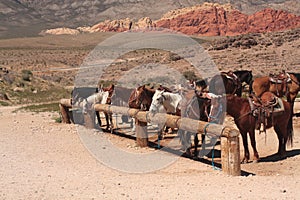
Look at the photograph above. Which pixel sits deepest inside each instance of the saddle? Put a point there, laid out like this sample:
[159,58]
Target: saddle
[232,76]
[264,108]
[283,77]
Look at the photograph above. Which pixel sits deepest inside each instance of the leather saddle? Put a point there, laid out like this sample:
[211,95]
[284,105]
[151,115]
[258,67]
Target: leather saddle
[283,77]
[264,108]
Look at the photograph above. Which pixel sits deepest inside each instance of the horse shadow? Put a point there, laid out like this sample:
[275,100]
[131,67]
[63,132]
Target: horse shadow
[275,157]
[208,160]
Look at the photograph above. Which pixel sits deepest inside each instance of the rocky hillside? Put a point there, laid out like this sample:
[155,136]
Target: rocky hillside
[29,17]
[216,20]
[207,19]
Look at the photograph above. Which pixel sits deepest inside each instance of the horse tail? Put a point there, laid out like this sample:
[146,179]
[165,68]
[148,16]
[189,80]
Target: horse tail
[290,130]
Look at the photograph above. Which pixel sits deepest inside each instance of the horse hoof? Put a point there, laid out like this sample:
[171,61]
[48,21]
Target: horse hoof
[244,161]
[195,157]
[255,161]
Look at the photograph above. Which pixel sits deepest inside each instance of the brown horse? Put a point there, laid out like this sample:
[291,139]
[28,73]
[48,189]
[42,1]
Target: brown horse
[241,110]
[284,84]
[225,83]
[141,97]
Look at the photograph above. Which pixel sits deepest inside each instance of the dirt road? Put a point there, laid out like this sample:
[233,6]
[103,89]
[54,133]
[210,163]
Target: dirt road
[41,159]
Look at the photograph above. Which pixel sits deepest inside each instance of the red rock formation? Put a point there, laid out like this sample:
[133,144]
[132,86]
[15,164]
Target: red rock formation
[217,20]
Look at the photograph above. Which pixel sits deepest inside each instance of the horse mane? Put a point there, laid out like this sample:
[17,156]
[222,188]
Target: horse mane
[297,75]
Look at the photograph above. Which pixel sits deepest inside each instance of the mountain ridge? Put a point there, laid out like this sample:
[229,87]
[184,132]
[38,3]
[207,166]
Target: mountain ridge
[28,17]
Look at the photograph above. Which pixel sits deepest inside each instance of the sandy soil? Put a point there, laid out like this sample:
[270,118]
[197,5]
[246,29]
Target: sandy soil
[41,159]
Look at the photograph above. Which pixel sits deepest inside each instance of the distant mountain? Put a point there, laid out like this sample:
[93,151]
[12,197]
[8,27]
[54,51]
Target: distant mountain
[223,20]
[28,17]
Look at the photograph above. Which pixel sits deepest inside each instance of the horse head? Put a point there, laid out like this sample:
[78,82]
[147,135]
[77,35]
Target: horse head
[157,101]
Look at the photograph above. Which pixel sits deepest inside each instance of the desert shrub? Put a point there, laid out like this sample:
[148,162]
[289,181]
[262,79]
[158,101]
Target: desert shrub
[26,75]
[190,75]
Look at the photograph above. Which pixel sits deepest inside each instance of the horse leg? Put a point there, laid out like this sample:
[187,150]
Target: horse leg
[246,149]
[107,120]
[111,123]
[281,142]
[98,118]
[185,141]
[253,144]
[196,142]
[203,150]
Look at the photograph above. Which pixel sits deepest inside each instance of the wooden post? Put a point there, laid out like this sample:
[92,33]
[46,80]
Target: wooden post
[141,133]
[230,152]
[89,119]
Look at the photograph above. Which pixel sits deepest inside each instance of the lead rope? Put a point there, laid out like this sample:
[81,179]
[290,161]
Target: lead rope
[213,150]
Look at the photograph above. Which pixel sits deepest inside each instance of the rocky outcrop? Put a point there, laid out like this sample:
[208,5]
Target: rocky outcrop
[60,31]
[119,25]
[208,19]
[217,20]
[122,25]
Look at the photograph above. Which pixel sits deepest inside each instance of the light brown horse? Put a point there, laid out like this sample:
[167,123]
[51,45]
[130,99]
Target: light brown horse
[240,109]
[287,86]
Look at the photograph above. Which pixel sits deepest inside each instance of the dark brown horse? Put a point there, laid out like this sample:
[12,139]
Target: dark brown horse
[225,83]
[241,110]
[245,77]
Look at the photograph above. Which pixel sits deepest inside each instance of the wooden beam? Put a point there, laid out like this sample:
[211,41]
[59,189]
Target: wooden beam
[171,120]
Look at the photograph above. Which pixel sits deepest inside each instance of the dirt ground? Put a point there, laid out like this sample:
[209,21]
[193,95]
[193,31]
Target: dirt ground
[41,159]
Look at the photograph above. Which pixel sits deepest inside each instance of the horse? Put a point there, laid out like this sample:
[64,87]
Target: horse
[196,107]
[245,77]
[88,103]
[121,97]
[108,116]
[284,84]
[242,109]
[141,98]
[191,106]
[166,101]
[225,83]
[78,96]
